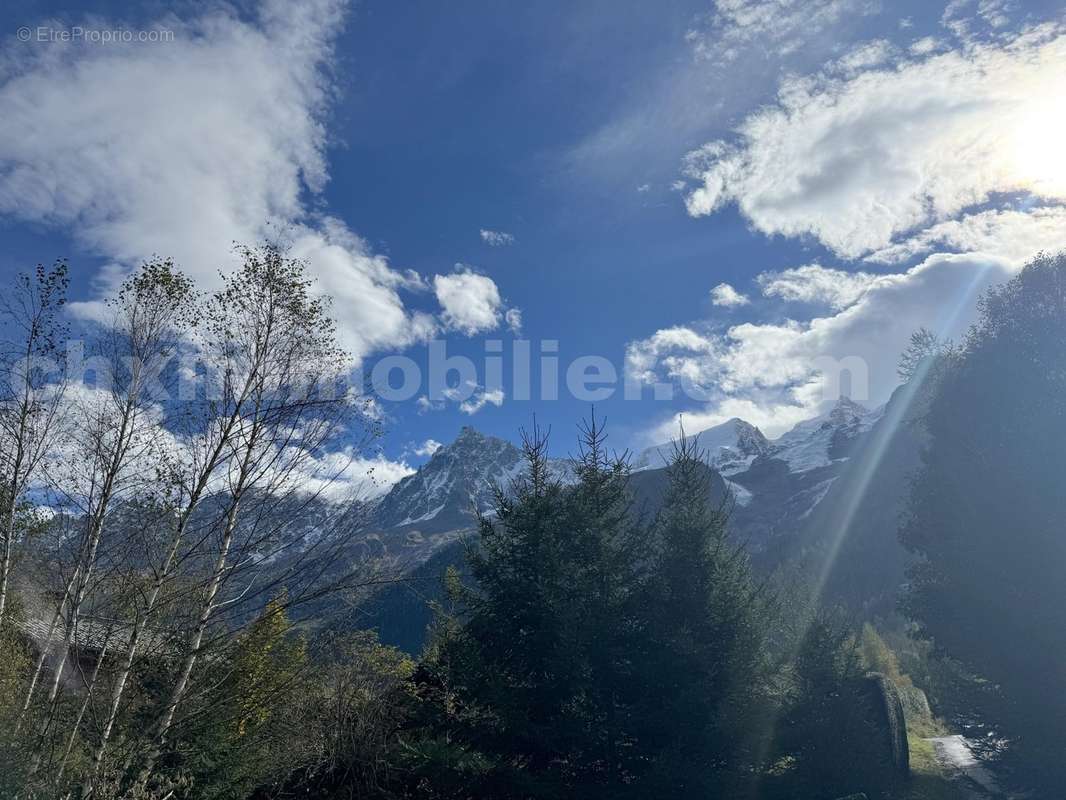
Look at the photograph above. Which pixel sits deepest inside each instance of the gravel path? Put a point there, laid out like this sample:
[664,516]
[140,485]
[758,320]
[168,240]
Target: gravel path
[955,755]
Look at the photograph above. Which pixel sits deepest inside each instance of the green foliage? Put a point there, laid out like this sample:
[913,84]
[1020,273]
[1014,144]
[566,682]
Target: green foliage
[986,518]
[538,679]
[876,656]
[836,734]
[361,701]
[349,721]
[929,781]
[599,654]
[15,663]
[706,675]
[242,735]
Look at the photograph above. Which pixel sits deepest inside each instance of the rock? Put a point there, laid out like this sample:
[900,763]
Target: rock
[892,723]
[915,705]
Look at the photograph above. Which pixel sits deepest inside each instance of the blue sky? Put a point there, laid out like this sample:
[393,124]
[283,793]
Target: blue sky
[850,169]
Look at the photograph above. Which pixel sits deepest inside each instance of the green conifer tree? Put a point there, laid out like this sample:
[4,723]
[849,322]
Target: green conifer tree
[706,670]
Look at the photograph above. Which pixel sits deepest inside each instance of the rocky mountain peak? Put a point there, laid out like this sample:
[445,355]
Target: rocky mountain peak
[750,440]
[469,435]
[457,479]
[846,411]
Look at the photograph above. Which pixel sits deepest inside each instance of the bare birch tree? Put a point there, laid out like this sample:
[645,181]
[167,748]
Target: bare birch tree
[116,438]
[31,394]
[271,347]
[181,514]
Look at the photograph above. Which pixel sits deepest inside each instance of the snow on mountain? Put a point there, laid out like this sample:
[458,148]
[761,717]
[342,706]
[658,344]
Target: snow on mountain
[730,448]
[816,442]
[456,480]
[741,496]
[446,493]
[793,502]
[775,484]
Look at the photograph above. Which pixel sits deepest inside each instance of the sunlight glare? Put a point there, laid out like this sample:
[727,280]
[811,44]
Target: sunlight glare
[1039,150]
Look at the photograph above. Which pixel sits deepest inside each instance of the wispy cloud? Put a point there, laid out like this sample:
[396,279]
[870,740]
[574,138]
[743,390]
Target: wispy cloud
[813,283]
[427,448]
[513,317]
[470,397]
[779,26]
[725,62]
[482,398]
[180,148]
[1011,234]
[496,238]
[857,161]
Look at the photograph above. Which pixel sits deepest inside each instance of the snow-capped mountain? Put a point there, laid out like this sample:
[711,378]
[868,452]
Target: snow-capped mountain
[776,483]
[729,448]
[452,485]
[818,442]
[732,447]
[795,500]
[781,487]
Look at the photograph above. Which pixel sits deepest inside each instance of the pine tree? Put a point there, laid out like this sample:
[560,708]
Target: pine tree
[539,678]
[597,654]
[707,672]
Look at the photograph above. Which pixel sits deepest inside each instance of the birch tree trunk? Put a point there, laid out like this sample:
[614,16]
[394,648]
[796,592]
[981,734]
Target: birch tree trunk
[148,312]
[28,413]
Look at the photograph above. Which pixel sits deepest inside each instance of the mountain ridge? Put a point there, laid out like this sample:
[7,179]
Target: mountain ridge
[792,499]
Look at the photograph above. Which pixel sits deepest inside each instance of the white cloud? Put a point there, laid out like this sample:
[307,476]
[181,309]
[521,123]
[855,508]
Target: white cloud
[925,45]
[1013,235]
[470,302]
[813,283]
[778,373]
[344,475]
[970,20]
[857,161]
[480,399]
[775,26]
[470,396]
[427,448]
[679,353]
[726,296]
[364,287]
[866,55]
[496,238]
[181,148]
[513,318]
